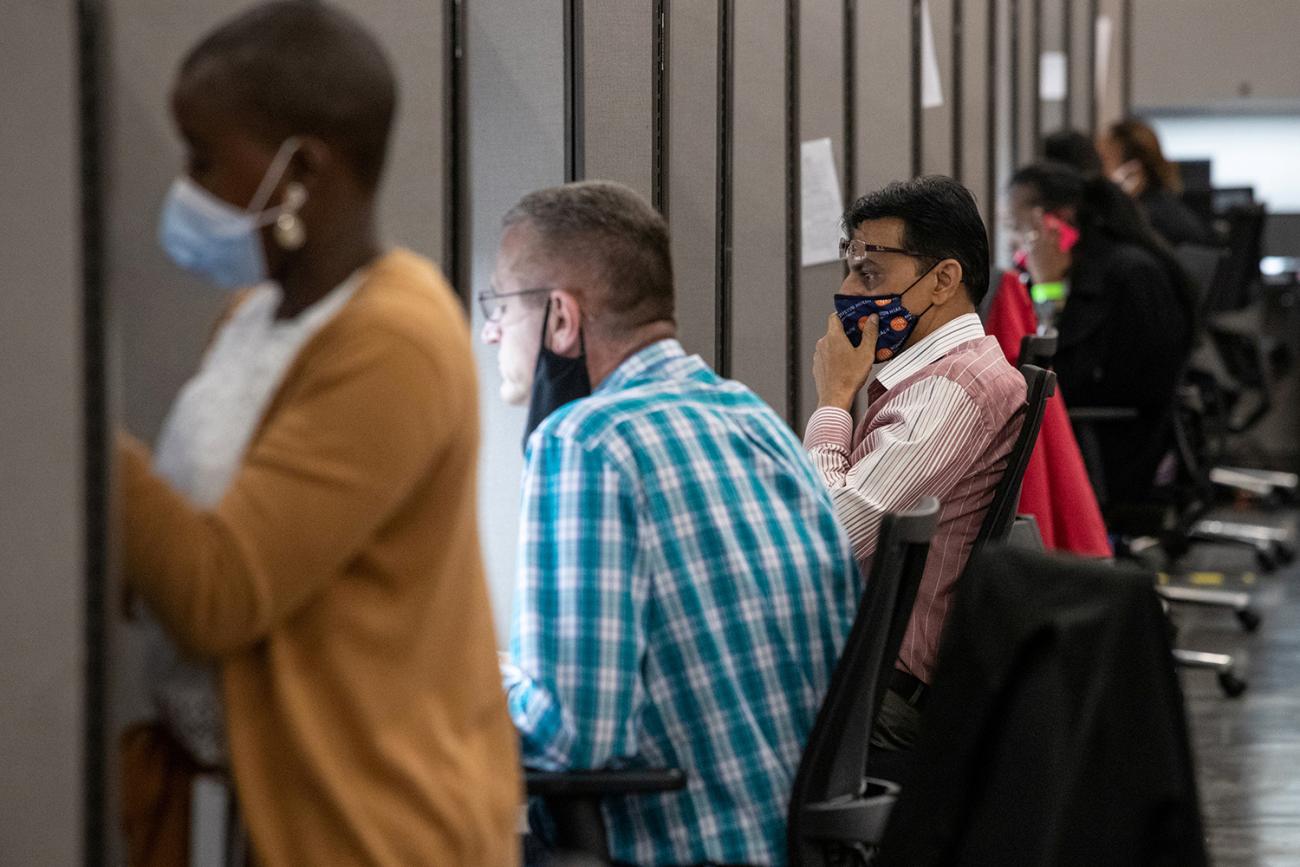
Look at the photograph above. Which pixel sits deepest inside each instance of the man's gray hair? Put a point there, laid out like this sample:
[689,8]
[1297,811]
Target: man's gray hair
[613,232]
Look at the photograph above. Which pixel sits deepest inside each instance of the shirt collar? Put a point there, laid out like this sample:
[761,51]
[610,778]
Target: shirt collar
[930,349]
[658,353]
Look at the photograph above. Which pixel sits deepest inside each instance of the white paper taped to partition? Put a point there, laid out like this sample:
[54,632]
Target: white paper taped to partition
[820,202]
[1052,72]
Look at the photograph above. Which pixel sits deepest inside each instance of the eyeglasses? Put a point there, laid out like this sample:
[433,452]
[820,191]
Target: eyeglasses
[494,308]
[854,251]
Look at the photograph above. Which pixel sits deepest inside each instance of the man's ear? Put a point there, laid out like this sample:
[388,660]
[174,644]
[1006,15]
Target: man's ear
[948,275]
[565,326]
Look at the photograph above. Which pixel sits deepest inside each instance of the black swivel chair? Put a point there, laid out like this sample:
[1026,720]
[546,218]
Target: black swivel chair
[1038,350]
[1040,384]
[834,807]
[1175,517]
[572,798]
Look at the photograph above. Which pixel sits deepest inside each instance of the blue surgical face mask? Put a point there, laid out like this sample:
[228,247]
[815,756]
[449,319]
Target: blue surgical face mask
[896,321]
[216,240]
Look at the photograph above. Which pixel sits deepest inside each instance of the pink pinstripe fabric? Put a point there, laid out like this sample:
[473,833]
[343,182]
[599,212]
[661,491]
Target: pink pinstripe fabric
[943,427]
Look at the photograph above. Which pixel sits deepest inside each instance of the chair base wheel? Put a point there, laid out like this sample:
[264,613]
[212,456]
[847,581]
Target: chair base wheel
[1266,560]
[1231,685]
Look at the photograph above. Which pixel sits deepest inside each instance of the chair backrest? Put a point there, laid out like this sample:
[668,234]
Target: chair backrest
[1235,282]
[1040,384]
[835,757]
[1203,265]
[1038,350]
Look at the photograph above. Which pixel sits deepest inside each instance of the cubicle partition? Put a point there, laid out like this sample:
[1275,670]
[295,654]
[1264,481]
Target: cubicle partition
[749,123]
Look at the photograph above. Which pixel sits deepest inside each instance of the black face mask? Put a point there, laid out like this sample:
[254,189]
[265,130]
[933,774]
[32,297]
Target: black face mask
[556,380]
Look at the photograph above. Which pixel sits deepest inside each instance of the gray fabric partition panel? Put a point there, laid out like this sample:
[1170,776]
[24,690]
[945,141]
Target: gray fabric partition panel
[1126,57]
[821,106]
[882,92]
[692,175]
[1052,110]
[1112,105]
[516,142]
[1066,29]
[618,91]
[1027,82]
[936,138]
[417,179]
[1010,55]
[759,354]
[974,109]
[1082,67]
[957,107]
[43,695]
[1006,140]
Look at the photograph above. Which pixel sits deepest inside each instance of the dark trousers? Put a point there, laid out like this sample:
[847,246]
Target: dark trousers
[896,724]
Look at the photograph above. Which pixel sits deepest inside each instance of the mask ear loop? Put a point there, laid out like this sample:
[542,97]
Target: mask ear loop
[916,317]
[274,173]
[546,318]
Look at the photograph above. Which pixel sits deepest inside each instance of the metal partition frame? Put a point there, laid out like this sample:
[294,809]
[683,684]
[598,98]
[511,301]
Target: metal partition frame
[96,801]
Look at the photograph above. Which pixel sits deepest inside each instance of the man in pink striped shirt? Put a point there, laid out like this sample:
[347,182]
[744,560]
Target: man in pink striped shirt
[942,405]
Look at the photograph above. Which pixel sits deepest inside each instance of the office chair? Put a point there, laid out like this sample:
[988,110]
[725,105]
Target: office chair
[1038,350]
[836,812]
[1040,384]
[1206,402]
[1041,349]
[1055,731]
[1179,514]
[572,798]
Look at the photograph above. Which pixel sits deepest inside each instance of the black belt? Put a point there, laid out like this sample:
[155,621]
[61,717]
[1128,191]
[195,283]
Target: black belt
[910,689]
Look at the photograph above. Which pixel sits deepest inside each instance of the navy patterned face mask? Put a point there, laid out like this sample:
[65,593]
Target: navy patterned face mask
[896,321]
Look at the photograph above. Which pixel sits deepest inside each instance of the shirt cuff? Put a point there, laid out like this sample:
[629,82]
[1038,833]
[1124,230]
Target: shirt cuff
[829,426]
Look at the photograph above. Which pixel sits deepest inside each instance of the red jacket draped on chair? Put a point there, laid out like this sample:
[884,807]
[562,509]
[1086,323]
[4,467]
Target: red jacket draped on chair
[1056,489]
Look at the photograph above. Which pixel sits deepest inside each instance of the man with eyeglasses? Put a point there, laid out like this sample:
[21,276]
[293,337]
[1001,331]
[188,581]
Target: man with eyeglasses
[683,586]
[941,407]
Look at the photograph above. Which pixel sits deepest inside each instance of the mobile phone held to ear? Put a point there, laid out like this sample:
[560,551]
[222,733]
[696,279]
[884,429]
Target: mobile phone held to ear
[1066,234]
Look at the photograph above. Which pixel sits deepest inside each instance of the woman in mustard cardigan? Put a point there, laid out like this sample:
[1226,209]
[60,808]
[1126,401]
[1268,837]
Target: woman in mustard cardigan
[307,527]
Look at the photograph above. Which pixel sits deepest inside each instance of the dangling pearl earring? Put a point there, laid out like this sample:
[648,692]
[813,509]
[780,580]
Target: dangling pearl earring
[289,231]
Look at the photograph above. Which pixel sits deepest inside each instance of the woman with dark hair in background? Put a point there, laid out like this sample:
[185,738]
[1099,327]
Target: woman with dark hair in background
[1127,320]
[1131,157]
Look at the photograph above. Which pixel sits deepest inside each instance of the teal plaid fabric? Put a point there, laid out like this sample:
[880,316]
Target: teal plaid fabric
[683,593]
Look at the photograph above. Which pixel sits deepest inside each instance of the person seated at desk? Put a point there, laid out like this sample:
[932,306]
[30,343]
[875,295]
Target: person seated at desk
[307,528]
[1131,157]
[942,403]
[683,587]
[1125,327]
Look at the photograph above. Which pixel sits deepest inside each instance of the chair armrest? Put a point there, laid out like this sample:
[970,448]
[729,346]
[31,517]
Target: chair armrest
[851,820]
[1102,413]
[625,781]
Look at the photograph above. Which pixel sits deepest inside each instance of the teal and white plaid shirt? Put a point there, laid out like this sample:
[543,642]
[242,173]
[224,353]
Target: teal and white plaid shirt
[683,593]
